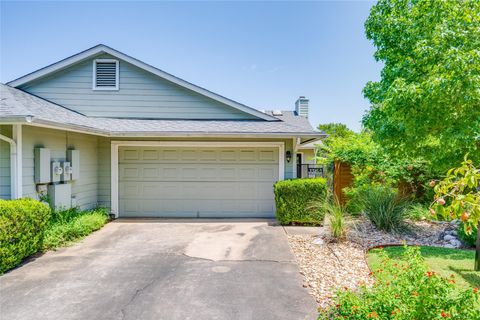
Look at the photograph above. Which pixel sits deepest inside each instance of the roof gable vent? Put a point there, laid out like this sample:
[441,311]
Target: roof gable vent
[105,74]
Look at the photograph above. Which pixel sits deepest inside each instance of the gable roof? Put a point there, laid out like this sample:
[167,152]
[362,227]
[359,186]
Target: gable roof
[98,49]
[17,106]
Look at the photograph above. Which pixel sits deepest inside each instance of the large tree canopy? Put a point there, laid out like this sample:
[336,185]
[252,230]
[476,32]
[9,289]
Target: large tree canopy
[427,103]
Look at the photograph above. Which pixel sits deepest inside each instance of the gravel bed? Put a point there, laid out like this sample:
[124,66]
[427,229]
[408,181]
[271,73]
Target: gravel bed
[330,266]
[425,233]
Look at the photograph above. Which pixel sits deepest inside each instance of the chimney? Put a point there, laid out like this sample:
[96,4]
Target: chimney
[301,106]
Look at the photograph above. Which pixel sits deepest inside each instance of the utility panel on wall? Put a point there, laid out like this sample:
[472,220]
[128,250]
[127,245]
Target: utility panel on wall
[73,156]
[60,196]
[42,165]
[56,171]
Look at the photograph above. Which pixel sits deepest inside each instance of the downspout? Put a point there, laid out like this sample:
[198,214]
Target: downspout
[13,165]
[18,138]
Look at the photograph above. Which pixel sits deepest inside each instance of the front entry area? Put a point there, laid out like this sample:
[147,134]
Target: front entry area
[201,182]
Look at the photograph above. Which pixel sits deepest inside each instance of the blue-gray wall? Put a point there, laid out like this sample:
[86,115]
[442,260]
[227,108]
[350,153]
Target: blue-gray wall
[140,95]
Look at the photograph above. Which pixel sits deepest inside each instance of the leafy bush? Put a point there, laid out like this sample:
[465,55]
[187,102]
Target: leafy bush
[294,198]
[22,225]
[383,207]
[470,239]
[70,225]
[405,291]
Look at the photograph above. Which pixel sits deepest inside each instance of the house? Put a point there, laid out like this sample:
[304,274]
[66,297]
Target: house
[103,128]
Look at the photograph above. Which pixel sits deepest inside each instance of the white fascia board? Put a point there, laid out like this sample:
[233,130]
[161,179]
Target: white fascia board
[142,65]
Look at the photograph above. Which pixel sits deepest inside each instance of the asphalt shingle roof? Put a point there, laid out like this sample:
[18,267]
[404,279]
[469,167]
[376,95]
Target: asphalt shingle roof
[15,103]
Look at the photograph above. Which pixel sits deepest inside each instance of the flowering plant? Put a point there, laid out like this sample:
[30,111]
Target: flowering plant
[405,291]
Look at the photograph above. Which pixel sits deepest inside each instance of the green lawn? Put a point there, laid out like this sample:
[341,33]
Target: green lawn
[443,261]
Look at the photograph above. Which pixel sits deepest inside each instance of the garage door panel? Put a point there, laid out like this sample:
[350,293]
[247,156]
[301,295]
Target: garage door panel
[198,155]
[197,182]
[193,172]
[196,190]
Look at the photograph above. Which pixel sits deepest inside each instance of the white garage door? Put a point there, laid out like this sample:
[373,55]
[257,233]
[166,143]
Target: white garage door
[197,182]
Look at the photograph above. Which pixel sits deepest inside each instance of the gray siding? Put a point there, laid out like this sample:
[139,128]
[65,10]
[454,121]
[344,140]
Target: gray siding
[140,95]
[5,191]
[85,188]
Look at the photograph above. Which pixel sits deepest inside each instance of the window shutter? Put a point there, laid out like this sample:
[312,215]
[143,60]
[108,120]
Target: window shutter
[106,74]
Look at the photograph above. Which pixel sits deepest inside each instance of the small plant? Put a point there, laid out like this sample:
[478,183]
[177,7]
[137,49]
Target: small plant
[406,290]
[384,207]
[458,196]
[417,211]
[469,239]
[336,219]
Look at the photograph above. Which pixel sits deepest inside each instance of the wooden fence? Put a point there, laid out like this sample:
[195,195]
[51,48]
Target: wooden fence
[342,178]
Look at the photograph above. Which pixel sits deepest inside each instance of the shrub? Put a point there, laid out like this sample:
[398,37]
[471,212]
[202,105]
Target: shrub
[22,225]
[470,239]
[384,207]
[70,225]
[294,198]
[406,291]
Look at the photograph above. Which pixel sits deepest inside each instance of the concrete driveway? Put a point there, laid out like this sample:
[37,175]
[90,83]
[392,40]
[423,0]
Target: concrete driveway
[163,269]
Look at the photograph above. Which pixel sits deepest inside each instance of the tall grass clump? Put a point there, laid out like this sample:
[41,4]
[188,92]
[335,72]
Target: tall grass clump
[336,219]
[71,225]
[384,207]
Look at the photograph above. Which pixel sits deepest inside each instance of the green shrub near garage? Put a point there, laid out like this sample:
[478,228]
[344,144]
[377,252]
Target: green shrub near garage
[297,200]
[22,226]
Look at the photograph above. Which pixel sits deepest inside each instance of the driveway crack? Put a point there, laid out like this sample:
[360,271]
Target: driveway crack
[137,293]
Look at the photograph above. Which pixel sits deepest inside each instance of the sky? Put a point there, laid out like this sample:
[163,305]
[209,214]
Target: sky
[262,54]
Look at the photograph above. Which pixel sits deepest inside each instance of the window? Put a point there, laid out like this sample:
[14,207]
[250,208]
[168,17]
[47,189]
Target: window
[105,74]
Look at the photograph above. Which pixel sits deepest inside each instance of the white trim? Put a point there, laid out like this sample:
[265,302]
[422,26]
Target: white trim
[13,165]
[114,146]
[94,76]
[162,74]
[114,178]
[294,156]
[18,137]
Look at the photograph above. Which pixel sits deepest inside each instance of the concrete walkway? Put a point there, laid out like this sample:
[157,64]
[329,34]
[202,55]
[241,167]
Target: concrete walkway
[163,269]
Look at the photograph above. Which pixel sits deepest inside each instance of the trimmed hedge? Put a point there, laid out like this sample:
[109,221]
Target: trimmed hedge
[295,200]
[22,225]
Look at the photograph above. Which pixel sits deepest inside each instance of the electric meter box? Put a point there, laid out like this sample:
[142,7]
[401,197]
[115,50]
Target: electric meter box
[66,171]
[56,171]
[73,156]
[42,165]
[60,196]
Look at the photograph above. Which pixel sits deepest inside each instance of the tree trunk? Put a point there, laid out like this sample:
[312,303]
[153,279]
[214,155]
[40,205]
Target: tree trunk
[477,251]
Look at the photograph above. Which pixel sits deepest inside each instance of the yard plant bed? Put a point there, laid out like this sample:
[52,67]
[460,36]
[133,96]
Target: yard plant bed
[443,261]
[329,266]
[66,227]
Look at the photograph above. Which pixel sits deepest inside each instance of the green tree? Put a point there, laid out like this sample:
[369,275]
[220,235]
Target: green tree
[427,103]
[335,130]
